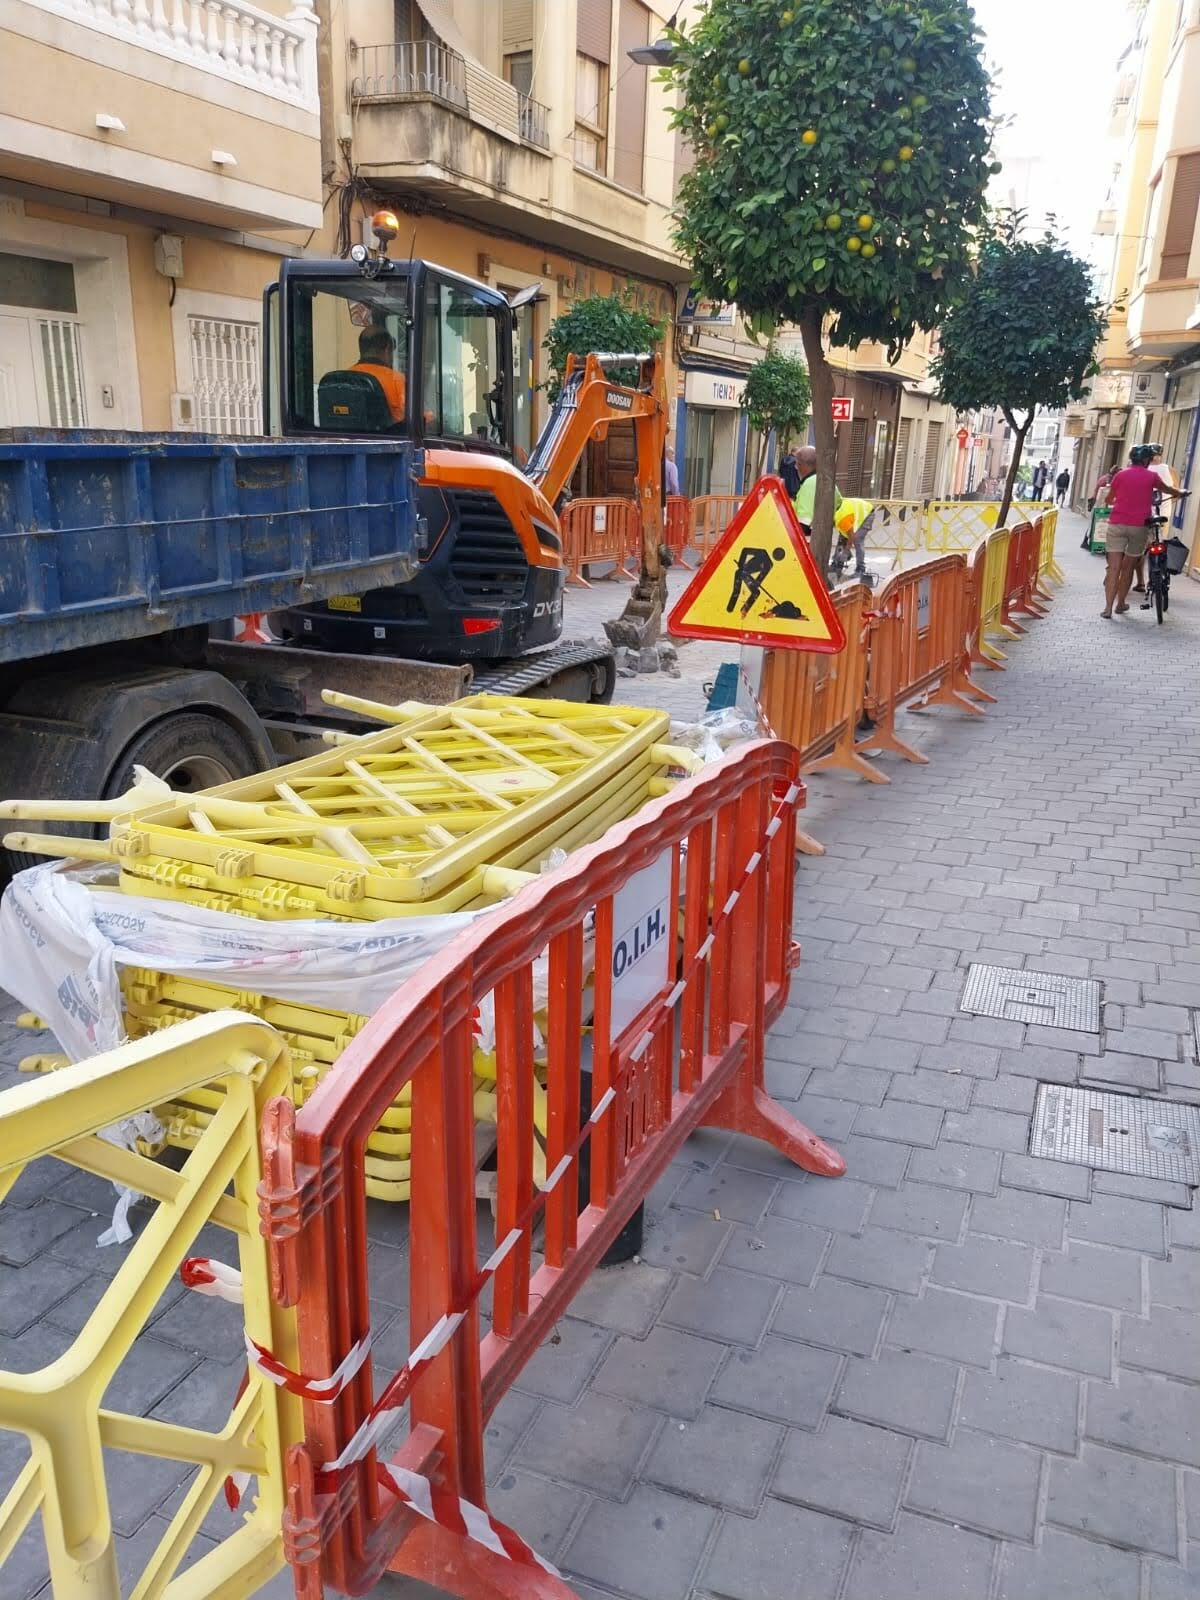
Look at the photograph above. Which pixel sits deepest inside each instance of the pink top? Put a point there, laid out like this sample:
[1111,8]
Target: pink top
[1130,496]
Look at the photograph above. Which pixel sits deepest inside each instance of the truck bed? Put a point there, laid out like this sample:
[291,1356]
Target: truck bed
[109,537]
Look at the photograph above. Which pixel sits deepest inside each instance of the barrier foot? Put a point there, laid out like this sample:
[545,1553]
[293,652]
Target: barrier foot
[577,577]
[1013,629]
[1056,572]
[849,761]
[887,739]
[760,1117]
[989,656]
[965,684]
[436,1556]
[806,845]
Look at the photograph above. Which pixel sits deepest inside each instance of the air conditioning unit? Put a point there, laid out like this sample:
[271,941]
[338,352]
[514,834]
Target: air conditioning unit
[1149,388]
[183,413]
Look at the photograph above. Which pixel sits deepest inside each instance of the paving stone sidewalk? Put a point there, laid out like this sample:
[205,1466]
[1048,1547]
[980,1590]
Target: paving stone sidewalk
[958,1373]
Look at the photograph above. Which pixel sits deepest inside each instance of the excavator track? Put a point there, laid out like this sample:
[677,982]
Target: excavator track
[582,671]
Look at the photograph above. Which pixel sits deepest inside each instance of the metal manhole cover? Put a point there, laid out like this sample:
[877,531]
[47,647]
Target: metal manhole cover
[1050,998]
[1118,1133]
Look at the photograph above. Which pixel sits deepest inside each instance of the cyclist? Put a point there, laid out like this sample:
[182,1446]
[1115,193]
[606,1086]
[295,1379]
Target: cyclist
[1131,497]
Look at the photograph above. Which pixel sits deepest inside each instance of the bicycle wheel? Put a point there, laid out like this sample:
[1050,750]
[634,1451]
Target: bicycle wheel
[1160,601]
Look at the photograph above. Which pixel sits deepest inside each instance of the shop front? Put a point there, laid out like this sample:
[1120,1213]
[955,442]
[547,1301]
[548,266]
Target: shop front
[711,444]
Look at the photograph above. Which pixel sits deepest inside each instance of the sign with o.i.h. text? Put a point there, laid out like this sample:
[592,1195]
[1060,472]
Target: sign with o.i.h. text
[643,911]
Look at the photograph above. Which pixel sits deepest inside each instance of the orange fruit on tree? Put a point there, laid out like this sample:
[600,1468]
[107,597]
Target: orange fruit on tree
[866,222]
[906,152]
[744,66]
[887,166]
[868,251]
[833,221]
[853,243]
[809,136]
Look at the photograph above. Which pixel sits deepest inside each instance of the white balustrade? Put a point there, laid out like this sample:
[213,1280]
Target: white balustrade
[234,39]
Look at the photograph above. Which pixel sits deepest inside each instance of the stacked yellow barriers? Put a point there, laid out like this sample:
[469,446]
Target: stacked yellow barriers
[448,809]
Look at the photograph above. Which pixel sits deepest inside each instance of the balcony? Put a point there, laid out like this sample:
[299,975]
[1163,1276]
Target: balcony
[1160,321]
[198,109]
[427,69]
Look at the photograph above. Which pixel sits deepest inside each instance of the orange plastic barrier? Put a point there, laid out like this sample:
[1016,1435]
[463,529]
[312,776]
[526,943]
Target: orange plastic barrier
[1020,582]
[676,927]
[711,515]
[915,650]
[600,530]
[677,524]
[815,701]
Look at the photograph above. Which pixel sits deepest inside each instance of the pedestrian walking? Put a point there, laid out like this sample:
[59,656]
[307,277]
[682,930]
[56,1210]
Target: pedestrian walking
[671,472]
[790,474]
[1040,473]
[1131,497]
[1062,483]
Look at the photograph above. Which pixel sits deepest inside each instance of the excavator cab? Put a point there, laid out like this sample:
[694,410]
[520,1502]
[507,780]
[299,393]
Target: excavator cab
[376,347]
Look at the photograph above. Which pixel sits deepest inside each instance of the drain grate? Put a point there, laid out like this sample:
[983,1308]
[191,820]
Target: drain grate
[1050,998]
[1118,1133]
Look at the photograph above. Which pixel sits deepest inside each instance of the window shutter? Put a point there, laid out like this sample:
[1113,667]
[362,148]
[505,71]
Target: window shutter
[933,450]
[1181,220]
[900,465]
[518,26]
[593,29]
[633,28]
[856,465]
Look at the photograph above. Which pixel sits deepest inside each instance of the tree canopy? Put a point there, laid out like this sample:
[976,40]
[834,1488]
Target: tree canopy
[841,162]
[1025,333]
[778,396]
[600,322]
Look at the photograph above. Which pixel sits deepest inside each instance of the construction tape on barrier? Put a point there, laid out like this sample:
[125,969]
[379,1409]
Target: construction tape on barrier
[462,1517]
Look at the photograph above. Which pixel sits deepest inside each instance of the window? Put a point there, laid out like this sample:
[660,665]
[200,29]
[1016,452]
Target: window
[463,389]
[32,281]
[933,451]
[880,461]
[698,451]
[62,363]
[1153,207]
[591,113]
[1181,218]
[518,70]
[348,354]
[900,465]
[226,374]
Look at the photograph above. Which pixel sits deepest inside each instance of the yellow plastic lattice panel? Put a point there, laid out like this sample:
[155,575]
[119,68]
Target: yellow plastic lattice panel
[279,883]
[418,814]
[61,1408]
[315,1038]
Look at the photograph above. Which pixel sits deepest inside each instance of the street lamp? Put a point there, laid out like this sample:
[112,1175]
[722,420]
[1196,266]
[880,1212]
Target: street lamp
[662,53]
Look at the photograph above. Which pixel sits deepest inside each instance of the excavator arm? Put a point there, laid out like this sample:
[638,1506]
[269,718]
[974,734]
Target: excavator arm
[587,403]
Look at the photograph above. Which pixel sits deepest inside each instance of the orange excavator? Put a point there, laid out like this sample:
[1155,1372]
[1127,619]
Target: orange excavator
[409,350]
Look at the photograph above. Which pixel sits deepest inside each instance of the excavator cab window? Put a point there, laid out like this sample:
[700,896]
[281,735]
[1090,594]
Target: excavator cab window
[348,353]
[466,384]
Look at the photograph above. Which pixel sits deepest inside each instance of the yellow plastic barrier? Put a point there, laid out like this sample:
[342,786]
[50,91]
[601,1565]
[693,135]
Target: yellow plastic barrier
[1048,567]
[995,573]
[898,526]
[952,525]
[430,815]
[60,1408]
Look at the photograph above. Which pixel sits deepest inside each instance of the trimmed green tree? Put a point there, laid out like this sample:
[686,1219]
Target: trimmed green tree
[1024,335]
[841,159]
[777,399]
[600,322]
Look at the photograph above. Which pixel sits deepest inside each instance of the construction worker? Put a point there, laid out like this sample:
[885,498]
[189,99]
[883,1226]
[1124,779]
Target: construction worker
[853,521]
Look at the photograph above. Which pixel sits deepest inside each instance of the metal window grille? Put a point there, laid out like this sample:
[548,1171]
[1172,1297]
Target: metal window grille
[62,363]
[933,450]
[226,374]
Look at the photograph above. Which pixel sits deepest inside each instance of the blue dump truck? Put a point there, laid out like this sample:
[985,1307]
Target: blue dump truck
[381,520]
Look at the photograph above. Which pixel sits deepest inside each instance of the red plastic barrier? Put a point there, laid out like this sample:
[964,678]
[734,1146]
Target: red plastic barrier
[678,524]
[702,880]
[1021,580]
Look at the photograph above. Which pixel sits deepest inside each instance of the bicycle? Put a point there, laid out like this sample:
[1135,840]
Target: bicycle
[1159,565]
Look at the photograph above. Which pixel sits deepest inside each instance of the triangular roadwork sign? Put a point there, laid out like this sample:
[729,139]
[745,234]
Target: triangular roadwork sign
[760,584]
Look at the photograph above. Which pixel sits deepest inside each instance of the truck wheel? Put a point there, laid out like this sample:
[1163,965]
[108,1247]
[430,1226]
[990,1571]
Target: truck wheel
[190,752]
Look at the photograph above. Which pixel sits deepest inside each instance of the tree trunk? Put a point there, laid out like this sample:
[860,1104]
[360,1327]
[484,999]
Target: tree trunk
[821,380]
[1019,432]
[764,440]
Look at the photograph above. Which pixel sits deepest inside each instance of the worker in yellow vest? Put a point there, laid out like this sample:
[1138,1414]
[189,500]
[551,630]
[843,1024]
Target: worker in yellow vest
[852,522]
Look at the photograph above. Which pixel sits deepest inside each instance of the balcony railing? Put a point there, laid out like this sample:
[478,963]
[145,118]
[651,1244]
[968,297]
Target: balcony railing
[417,66]
[426,67]
[231,38]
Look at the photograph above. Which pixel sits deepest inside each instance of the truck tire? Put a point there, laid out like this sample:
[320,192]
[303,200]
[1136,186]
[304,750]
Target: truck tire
[190,751]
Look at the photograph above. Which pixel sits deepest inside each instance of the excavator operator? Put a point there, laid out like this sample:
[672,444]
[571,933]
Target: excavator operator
[376,350]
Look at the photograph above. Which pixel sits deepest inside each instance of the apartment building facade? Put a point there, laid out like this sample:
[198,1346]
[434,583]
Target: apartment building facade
[157,157]
[1149,384]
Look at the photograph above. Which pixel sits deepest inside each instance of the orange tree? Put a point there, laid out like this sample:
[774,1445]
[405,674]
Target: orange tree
[1024,334]
[841,158]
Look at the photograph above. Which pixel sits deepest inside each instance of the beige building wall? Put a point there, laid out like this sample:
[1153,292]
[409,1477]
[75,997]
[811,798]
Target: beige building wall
[156,159]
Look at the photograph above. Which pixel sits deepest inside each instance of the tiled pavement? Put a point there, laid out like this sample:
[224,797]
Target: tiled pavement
[957,1371]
